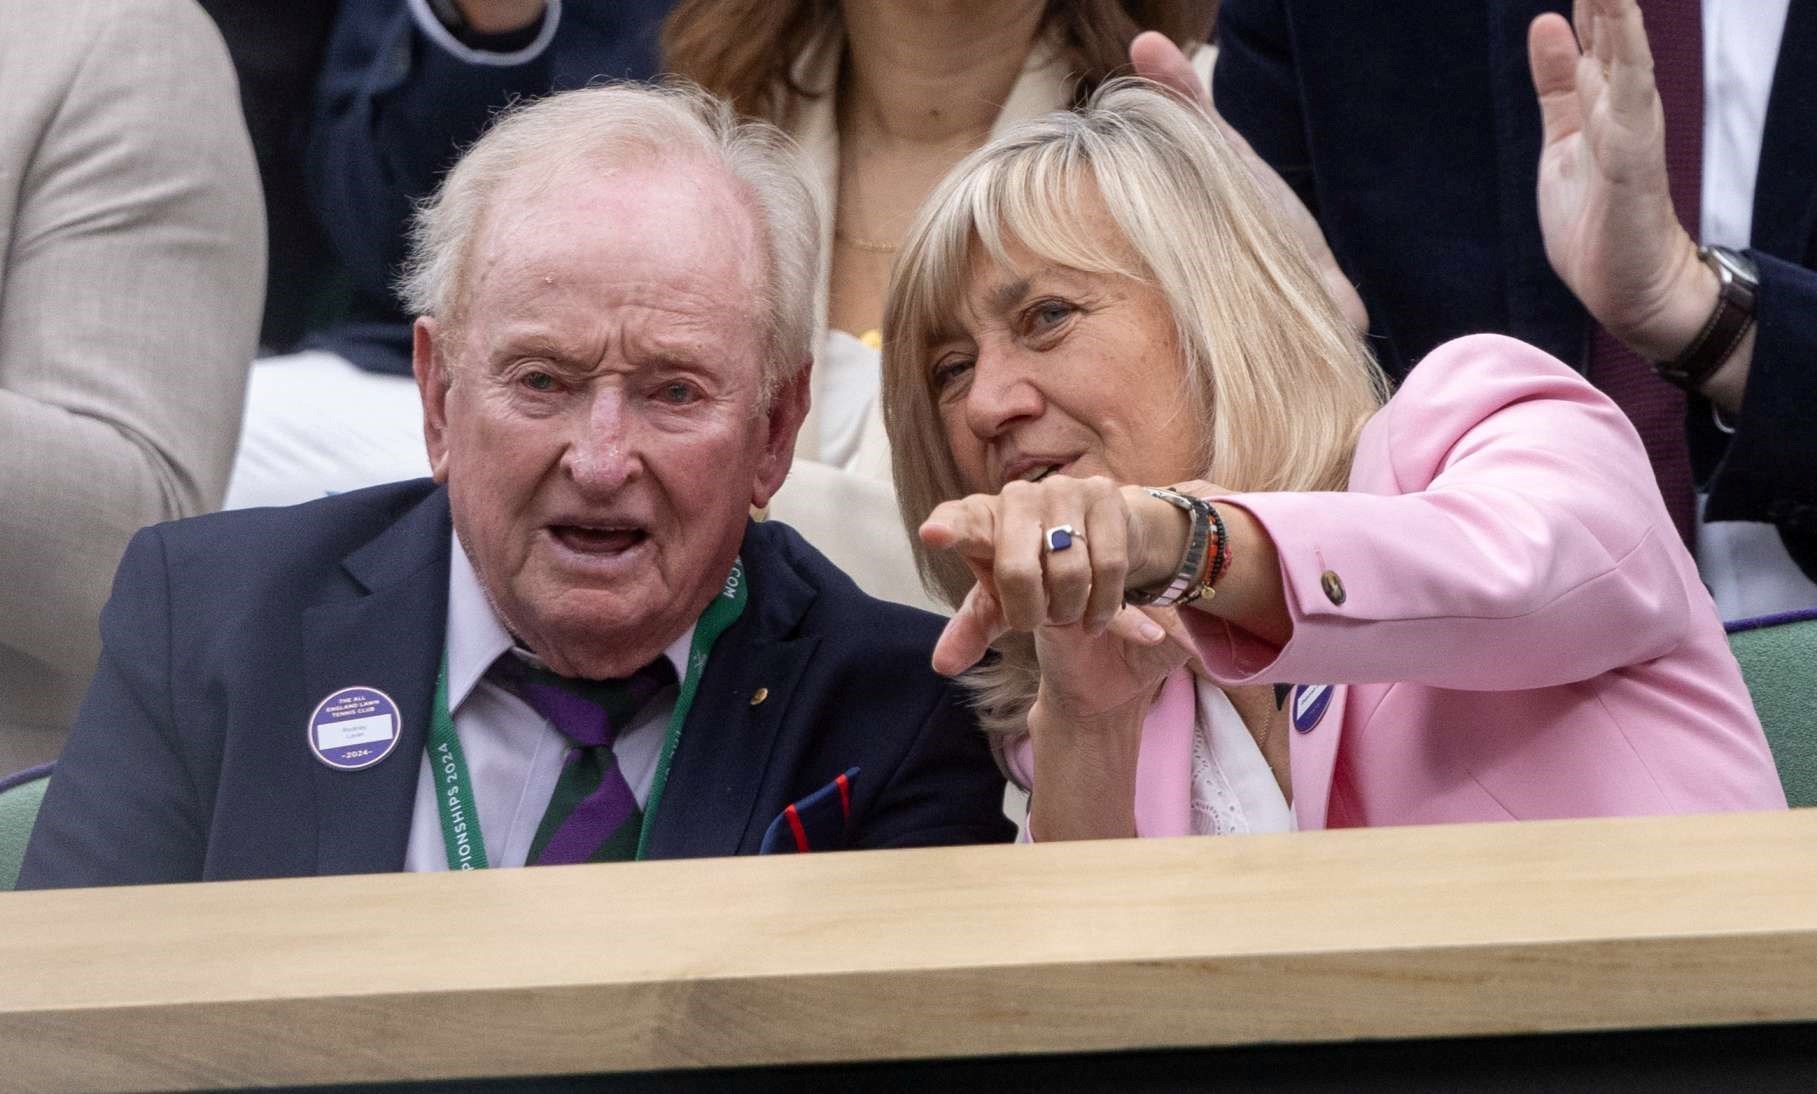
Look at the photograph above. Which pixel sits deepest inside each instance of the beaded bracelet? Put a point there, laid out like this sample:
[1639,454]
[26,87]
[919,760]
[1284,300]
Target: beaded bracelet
[1219,562]
[1201,566]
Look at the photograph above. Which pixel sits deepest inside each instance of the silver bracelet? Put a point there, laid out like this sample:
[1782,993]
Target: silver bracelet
[1184,584]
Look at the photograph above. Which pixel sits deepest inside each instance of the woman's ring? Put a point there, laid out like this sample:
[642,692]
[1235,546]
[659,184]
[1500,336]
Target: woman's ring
[1061,536]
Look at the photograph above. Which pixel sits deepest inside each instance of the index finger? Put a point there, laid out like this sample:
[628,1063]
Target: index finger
[969,633]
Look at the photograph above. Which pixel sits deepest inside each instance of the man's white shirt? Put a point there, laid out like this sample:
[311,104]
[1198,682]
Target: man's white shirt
[514,756]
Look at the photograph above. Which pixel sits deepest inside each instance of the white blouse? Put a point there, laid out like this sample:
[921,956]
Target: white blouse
[847,377]
[1233,788]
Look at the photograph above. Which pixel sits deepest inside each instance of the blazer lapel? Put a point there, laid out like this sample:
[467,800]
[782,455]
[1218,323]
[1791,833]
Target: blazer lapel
[1315,716]
[390,639]
[1785,190]
[734,735]
[1164,760]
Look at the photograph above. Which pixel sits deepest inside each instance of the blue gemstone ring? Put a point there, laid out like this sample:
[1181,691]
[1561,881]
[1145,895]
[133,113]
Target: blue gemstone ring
[1061,536]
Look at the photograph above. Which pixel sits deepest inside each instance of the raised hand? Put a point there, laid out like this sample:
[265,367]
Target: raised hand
[1605,208]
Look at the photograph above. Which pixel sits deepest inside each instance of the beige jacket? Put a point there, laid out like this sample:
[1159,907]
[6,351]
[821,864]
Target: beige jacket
[132,269]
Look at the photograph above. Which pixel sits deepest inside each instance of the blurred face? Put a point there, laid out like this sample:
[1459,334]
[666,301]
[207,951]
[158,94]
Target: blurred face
[1060,371]
[601,440]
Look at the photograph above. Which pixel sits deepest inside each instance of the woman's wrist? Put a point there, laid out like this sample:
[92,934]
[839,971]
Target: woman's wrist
[1158,539]
[1066,721]
[1085,772]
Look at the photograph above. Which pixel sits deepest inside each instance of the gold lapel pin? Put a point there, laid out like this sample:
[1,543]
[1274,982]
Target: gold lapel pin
[759,695]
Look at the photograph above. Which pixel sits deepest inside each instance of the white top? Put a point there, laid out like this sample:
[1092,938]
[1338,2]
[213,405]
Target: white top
[514,756]
[1233,789]
[847,380]
[1744,563]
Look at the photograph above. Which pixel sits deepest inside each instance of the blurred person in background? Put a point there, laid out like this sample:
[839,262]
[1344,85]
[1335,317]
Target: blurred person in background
[1232,591]
[405,85]
[130,290]
[277,52]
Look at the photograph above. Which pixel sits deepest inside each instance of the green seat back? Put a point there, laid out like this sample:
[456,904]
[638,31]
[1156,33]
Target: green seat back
[1778,656]
[19,798]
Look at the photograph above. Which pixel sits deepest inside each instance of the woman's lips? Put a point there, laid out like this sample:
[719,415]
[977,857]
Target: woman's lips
[1034,470]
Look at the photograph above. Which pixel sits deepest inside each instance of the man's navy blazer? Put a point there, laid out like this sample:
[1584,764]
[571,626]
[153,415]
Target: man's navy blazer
[1412,132]
[190,758]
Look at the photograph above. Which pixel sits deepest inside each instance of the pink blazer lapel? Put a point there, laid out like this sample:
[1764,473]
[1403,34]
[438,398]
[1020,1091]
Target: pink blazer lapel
[1164,763]
[1315,713]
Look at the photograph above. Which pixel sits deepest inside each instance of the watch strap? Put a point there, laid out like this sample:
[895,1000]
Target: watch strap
[1184,586]
[1738,284]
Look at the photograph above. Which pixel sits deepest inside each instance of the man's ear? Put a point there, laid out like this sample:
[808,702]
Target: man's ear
[429,361]
[787,411]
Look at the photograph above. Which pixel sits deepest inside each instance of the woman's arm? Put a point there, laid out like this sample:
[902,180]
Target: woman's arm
[1503,531]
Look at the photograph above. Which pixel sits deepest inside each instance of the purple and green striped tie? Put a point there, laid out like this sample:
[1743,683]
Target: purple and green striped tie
[593,815]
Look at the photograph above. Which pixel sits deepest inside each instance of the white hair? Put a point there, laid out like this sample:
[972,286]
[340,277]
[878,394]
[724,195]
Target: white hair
[675,122]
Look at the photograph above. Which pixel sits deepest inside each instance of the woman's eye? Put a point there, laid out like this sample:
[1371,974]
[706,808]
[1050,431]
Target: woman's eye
[1047,314]
[537,380]
[947,372]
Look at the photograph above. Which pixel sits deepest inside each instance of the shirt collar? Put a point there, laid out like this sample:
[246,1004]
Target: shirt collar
[476,637]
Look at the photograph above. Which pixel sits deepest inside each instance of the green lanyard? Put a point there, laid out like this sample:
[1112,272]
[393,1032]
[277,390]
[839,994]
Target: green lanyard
[454,788]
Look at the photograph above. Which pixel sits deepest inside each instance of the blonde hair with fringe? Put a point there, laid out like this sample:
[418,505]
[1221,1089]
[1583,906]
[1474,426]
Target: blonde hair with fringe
[544,142]
[1275,378]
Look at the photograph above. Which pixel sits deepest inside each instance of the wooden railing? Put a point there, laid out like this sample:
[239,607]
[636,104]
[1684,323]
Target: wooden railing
[1315,937]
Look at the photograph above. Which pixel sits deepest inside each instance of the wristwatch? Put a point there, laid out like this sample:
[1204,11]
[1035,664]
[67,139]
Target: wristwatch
[1183,587]
[1739,284]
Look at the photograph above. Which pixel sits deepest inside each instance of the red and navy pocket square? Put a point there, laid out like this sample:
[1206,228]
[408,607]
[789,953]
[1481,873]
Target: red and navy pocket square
[815,823]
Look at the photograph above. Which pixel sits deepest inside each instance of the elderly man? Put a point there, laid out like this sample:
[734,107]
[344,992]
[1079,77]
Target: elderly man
[572,645]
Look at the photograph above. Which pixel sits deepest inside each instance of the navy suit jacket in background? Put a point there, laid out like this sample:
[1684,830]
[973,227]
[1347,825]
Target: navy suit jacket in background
[393,110]
[1411,130]
[189,759]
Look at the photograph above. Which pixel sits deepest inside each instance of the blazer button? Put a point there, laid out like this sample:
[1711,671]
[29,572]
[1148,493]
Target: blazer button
[1333,586]
[759,696]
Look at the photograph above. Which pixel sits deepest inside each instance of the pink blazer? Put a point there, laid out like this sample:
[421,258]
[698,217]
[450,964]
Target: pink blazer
[1496,621]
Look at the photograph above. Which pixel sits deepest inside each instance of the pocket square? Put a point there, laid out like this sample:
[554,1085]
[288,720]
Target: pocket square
[815,823]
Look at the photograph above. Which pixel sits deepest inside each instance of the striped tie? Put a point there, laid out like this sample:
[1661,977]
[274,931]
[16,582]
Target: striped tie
[593,815]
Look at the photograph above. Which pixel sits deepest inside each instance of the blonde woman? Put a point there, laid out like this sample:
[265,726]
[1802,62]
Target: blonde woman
[1472,588]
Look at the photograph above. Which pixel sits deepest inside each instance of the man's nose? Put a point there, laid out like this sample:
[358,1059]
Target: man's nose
[1003,392]
[603,453]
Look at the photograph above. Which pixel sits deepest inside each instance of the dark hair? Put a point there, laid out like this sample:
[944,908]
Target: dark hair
[743,50]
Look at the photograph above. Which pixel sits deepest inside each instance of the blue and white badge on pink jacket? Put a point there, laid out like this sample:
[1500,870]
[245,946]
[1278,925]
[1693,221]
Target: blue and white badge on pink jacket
[1310,701]
[354,728]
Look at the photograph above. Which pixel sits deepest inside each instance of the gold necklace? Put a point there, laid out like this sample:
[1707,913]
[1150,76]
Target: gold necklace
[1268,723]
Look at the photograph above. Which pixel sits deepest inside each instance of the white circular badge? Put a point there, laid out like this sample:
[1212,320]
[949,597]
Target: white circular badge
[354,728]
